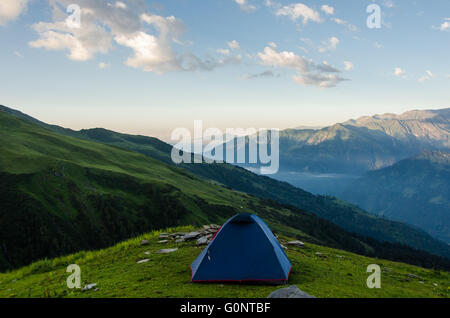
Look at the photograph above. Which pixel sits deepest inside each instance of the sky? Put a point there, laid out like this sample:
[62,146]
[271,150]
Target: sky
[148,67]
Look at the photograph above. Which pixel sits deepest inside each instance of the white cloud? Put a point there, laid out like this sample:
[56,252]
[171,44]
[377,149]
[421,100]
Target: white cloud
[150,53]
[234,44]
[11,9]
[244,5]
[320,80]
[103,65]
[299,10]
[347,24]
[100,23]
[327,9]
[272,45]
[307,73]
[348,66]
[283,59]
[399,72]
[429,75]
[104,25]
[223,51]
[445,26]
[388,4]
[120,5]
[154,53]
[329,45]
[82,43]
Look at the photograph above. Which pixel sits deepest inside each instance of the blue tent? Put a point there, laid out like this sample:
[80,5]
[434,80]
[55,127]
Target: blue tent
[244,249]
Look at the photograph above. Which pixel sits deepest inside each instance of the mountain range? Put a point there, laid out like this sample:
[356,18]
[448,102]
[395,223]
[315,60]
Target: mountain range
[367,143]
[365,159]
[65,190]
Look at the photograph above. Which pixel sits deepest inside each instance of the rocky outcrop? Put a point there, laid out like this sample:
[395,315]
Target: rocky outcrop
[202,236]
[167,250]
[289,292]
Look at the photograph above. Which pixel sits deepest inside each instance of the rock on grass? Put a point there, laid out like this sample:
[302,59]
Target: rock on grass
[289,292]
[89,286]
[143,261]
[166,250]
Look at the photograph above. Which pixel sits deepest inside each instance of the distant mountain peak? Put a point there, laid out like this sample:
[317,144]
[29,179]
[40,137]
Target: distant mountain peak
[425,126]
[408,115]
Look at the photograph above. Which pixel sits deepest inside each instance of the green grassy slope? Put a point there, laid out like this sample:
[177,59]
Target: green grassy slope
[62,194]
[347,216]
[117,274]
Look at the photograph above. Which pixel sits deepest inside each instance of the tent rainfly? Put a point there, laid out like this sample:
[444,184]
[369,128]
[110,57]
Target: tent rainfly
[243,250]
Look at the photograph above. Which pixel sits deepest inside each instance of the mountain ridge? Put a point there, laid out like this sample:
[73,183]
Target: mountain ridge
[325,160]
[347,216]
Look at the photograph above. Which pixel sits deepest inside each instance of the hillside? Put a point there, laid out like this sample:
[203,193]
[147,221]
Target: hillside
[62,194]
[347,216]
[414,190]
[318,270]
[339,149]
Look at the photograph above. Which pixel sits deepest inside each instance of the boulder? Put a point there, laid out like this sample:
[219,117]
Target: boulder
[145,242]
[192,235]
[179,240]
[167,250]
[296,243]
[289,292]
[163,241]
[202,241]
[89,286]
[177,235]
